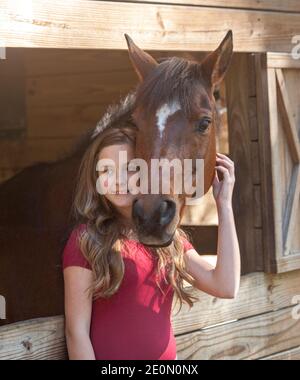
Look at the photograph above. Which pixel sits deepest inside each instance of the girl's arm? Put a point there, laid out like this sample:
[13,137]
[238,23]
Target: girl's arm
[78,309]
[222,280]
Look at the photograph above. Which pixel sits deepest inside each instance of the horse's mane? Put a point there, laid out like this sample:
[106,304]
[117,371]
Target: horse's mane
[115,115]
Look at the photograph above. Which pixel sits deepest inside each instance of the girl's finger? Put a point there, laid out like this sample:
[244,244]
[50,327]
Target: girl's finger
[225,157]
[224,171]
[227,164]
[216,179]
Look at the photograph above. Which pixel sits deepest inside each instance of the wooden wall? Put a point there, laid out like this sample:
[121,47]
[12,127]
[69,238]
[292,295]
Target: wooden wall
[56,95]
[60,95]
[263,322]
[258,26]
[50,97]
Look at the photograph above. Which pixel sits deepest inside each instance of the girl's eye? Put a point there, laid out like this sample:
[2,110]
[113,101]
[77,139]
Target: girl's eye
[108,171]
[203,124]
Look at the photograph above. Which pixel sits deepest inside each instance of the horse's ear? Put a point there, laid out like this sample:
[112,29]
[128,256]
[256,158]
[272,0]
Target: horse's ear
[215,64]
[142,62]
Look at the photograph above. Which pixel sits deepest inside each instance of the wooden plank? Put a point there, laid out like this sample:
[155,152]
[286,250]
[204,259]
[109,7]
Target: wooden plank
[275,190]
[68,24]
[257,207]
[64,62]
[12,95]
[282,61]
[251,76]
[285,178]
[263,122]
[23,153]
[292,210]
[258,233]
[241,152]
[287,263]
[254,146]
[253,118]
[292,354]
[272,221]
[63,121]
[275,172]
[288,117]
[204,238]
[249,338]
[75,89]
[259,293]
[44,339]
[68,91]
[37,339]
[274,5]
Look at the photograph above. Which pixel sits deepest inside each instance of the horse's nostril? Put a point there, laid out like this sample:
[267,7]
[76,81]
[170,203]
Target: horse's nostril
[137,211]
[159,216]
[167,212]
[163,207]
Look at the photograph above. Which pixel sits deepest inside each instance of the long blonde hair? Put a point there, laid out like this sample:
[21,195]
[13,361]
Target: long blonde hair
[101,242]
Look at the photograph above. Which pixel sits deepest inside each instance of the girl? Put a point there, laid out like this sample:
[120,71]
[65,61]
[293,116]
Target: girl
[118,293]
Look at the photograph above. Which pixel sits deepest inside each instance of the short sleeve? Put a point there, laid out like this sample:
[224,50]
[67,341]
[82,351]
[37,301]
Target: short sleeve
[187,245]
[72,255]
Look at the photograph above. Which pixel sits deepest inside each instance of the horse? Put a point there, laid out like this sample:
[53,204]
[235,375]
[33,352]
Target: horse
[175,113]
[36,218]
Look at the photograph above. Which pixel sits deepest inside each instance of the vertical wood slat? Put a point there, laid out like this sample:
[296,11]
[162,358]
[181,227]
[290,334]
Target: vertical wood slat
[12,95]
[292,209]
[289,124]
[254,147]
[256,175]
[290,130]
[272,96]
[244,153]
[257,206]
[265,162]
[283,224]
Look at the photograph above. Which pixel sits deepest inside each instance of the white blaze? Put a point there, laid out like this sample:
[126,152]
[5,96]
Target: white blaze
[165,111]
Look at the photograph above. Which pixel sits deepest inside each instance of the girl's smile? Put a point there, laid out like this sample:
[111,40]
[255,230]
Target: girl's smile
[117,192]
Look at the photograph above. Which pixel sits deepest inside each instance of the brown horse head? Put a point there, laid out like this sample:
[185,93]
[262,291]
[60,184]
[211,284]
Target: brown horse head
[175,115]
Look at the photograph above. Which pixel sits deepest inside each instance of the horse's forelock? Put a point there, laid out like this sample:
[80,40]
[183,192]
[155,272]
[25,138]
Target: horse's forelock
[174,78]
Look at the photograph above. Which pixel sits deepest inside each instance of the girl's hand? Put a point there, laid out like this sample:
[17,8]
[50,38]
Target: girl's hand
[222,189]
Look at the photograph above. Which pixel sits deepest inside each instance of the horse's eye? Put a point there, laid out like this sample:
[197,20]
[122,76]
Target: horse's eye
[203,124]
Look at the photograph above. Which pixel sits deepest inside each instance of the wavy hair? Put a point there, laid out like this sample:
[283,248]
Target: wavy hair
[102,240]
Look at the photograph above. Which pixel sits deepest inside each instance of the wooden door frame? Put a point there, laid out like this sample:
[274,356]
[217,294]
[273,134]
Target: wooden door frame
[268,68]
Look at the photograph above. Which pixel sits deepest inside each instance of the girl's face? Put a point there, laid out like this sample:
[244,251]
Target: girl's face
[109,174]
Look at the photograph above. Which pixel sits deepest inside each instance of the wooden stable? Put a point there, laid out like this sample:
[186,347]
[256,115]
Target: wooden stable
[67,61]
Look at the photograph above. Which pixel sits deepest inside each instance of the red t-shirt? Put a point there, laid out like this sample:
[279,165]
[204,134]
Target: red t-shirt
[134,323]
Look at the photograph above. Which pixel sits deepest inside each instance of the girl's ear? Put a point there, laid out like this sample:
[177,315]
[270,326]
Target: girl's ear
[215,64]
[142,62]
